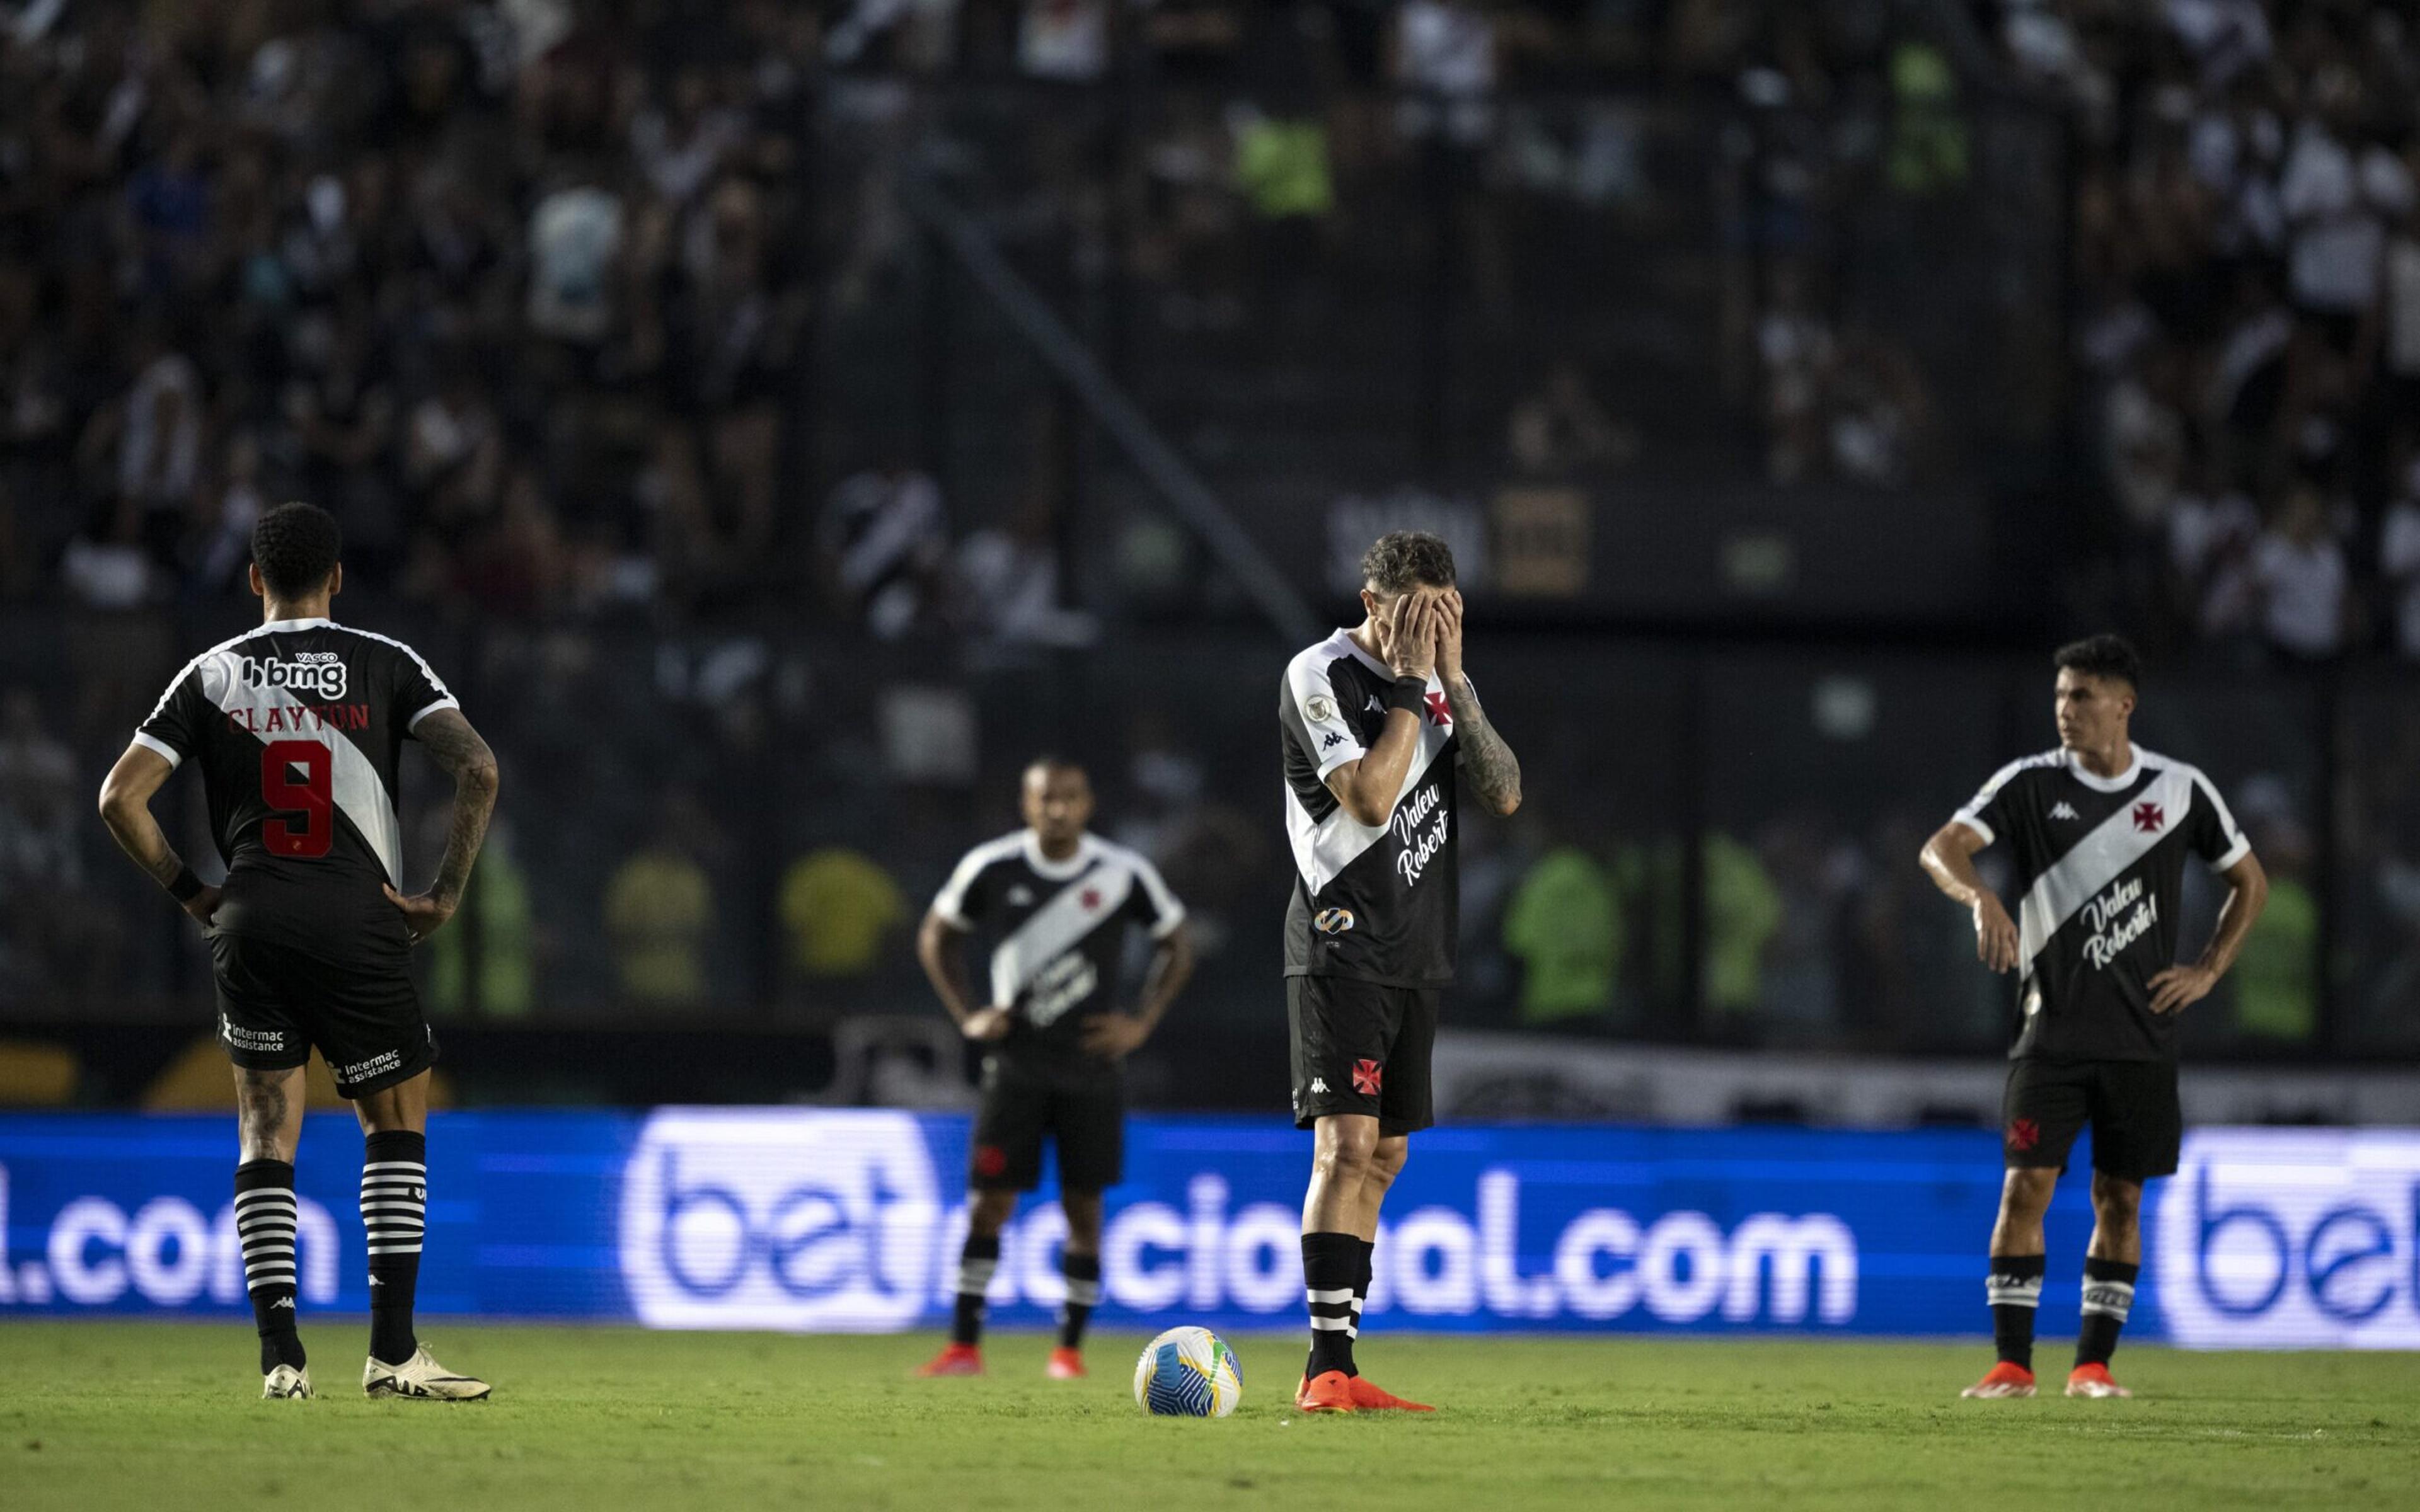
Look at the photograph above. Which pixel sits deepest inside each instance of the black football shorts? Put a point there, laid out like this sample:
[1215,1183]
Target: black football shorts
[2139,1126]
[1361,1047]
[1018,1113]
[276,1003]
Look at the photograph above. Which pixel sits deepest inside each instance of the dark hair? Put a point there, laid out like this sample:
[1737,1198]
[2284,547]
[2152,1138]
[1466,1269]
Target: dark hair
[295,547]
[1402,560]
[1049,763]
[2101,656]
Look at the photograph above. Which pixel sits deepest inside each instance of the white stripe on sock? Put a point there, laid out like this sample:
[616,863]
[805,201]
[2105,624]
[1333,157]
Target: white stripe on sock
[1331,1325]
[1329,1297]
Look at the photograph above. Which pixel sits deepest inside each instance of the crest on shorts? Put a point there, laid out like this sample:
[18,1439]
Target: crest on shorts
[1367,1075]
[2024,1134]
[1333,920]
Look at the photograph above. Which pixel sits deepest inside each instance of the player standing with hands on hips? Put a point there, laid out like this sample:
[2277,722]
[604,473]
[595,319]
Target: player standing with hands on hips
[1057,903]
[2097,832]
[1375,723]
[297,728]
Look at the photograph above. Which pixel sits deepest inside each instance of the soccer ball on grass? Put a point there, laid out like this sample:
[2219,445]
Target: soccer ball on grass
[1188,1372]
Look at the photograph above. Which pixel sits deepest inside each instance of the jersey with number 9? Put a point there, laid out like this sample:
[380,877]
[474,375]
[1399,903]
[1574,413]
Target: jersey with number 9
[298,728]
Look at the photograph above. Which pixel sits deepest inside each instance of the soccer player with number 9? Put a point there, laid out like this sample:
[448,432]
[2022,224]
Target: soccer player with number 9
[298,727]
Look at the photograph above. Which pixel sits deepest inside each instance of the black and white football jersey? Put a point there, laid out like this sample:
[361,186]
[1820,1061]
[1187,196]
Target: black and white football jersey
[1057,931]
[2100,874]
[298,728]
[1376,902]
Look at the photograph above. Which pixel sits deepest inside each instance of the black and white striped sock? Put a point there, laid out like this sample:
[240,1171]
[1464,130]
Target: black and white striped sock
[977,1262]
[1330,1266]
[395,1211]
[264,1227]
[2014,1290]
[2108,1296]
[1083,1277]
[1361,1284]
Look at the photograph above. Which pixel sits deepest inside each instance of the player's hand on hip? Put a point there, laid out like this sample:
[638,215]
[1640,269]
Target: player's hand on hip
[1411,645]
[985,1025]
[1115,1036]
[424,916]
[2179,987]
[1448,639]
[204,904]
[1995,935]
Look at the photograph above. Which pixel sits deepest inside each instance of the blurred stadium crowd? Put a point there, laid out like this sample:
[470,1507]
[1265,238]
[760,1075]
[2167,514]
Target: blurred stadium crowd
[586,319]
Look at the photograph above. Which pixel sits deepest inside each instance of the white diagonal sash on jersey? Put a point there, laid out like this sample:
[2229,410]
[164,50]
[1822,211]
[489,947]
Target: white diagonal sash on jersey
[1050,931]
[354,783]
[1322,850]
[2097,860]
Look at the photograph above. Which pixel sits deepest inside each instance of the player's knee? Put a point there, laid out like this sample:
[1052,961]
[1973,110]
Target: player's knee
[1083,1210]
[268,1121]
[2116,1203]
[990,1213]
[1387,1159]
[1347,1152]
[2027,1193]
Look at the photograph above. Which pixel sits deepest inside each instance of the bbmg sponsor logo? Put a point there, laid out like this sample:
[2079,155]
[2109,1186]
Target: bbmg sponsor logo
[165,1252]
[787,1220]
[2293,1238]
[318,674]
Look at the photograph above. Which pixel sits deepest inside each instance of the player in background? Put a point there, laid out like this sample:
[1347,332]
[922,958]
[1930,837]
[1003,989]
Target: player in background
[1373,721]
[2097,832]
[1055,903]
[297,728]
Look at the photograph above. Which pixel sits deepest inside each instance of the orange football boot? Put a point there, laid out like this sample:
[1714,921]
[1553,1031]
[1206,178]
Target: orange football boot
[1368,1397]
[955,1360]
[2005,1379]
[2093,1380]
[1328,1392]
[1066,1364]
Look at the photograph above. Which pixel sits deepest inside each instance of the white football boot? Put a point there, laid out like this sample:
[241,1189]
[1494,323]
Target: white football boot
[286,1383]
[420,1378]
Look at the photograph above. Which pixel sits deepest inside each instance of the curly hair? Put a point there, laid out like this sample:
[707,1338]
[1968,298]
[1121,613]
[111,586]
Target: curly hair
[295,547]
[2101,656]
[1402,560]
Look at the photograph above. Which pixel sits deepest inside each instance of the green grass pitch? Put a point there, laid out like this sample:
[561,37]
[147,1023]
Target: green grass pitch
[165,1418]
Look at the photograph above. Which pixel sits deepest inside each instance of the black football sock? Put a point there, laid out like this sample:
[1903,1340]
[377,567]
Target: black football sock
[1361,1286]
[1083,1273]
[976,1263]
[2108,1295]
[2015,1289]
[264,1227]
[1331,1264]
[395,1212]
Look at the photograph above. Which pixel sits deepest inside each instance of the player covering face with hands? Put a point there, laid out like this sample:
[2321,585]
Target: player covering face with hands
[1375,724]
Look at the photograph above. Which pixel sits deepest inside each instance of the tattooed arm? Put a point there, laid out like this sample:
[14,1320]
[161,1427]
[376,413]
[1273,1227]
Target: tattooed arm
[126,808]
[458,748]
[1493,772]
